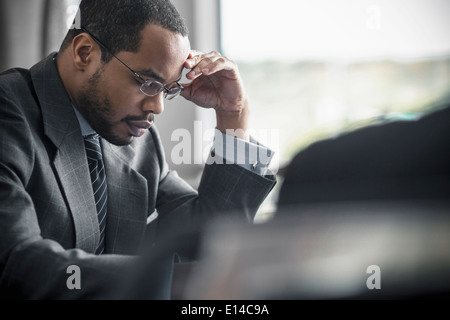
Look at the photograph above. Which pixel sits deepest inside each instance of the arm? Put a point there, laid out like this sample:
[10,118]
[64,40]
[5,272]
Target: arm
[230,189]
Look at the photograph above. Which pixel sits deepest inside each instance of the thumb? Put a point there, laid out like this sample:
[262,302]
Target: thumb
[187,91]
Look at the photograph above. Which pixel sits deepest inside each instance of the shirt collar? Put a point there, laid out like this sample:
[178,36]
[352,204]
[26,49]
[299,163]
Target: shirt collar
[86,128]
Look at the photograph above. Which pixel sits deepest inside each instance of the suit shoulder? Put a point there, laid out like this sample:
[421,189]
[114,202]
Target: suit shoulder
[16,87]
[14,79]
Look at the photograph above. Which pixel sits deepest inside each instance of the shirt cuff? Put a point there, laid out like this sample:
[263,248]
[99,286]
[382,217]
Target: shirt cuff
[251,156]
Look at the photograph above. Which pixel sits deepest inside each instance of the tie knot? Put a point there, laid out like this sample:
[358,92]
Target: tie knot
[93,149]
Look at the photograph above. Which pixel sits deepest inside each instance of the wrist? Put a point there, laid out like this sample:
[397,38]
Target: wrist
[234,123]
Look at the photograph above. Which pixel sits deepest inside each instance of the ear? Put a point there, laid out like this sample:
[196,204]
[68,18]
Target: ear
[86,52]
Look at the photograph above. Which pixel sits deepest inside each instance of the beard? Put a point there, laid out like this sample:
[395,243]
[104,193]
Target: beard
[97,110]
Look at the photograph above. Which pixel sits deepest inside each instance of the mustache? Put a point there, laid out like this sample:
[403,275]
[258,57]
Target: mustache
[150,117]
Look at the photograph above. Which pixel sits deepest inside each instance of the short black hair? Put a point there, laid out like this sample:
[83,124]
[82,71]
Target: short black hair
[118,24]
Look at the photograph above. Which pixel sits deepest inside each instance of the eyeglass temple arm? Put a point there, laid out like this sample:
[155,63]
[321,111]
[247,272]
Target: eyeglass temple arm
[104,47]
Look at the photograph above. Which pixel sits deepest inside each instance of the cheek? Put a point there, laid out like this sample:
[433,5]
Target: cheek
[123,100]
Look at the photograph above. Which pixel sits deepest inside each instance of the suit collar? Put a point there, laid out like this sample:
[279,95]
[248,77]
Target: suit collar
[86,128]
[57,111]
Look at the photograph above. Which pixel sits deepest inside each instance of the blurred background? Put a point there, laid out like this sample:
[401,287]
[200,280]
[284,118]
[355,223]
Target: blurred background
[313,69]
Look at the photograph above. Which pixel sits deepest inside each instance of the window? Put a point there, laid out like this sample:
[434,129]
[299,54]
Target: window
[316,68]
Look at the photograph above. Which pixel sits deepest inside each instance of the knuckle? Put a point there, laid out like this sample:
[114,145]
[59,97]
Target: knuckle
[207,60]
[222,60]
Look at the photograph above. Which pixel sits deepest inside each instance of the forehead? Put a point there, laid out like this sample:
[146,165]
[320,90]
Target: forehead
[162,53]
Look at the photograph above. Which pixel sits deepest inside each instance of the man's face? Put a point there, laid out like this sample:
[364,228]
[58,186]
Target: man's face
[111,101]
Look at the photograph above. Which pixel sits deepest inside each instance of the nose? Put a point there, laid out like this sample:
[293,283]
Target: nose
[153,104]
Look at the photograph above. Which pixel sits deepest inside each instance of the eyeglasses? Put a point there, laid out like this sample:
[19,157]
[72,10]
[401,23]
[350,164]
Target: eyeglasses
[148,87]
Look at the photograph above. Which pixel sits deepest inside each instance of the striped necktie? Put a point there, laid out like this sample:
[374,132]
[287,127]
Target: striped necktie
[98,179]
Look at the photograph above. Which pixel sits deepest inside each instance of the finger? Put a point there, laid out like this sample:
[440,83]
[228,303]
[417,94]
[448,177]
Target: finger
[202,67]
[193,59]
[216,64]
[209,67]
[186,93]
[209,64]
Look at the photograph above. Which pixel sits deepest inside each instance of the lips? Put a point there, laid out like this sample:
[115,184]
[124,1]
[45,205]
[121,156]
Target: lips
[138,128]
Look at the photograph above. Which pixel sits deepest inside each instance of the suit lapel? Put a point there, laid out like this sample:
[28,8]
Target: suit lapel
[62,128]
[127,201]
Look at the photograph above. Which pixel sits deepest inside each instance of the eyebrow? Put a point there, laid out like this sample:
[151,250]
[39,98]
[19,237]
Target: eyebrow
[152,74]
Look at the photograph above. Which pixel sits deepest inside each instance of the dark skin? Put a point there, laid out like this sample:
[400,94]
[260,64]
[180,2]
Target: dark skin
[108,94]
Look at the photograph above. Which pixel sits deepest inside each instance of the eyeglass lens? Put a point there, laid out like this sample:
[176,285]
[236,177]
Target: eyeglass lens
[152,88]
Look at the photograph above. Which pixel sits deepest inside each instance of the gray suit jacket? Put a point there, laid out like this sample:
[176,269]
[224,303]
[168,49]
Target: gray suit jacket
[48,218]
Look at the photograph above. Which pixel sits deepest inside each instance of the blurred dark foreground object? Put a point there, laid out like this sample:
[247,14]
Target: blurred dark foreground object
[397,160]
[330,251]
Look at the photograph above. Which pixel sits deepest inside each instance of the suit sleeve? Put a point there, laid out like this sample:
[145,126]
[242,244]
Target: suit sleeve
[225,190]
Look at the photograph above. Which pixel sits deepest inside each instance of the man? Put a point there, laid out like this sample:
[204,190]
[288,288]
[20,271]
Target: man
[68,206]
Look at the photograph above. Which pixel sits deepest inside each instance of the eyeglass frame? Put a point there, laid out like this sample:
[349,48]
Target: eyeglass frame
[145,82]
